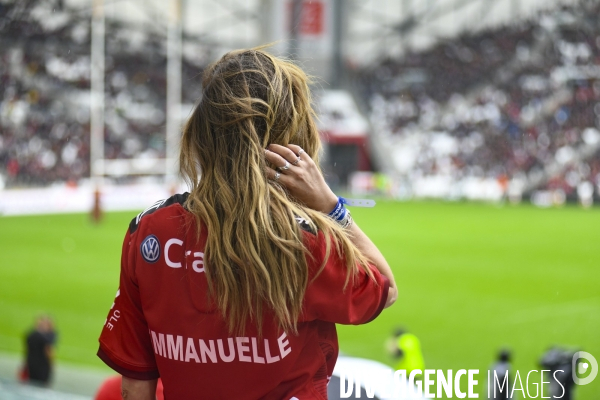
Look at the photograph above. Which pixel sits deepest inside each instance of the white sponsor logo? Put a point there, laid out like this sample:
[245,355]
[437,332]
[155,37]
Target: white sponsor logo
[171,261]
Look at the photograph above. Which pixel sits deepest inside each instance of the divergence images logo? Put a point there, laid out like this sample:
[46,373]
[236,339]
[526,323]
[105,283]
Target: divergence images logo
[581,364]
[150,249]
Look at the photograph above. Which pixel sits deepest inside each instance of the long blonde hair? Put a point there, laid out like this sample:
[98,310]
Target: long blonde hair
[254,255]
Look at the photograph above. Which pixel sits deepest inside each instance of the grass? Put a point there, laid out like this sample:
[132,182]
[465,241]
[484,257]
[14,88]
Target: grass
[472,278]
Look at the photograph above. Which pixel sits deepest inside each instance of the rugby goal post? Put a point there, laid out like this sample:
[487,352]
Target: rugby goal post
[101,167]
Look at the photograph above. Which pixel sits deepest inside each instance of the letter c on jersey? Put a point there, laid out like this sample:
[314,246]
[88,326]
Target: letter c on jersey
[167,259]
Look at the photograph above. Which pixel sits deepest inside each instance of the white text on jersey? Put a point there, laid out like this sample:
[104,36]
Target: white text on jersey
[243,349]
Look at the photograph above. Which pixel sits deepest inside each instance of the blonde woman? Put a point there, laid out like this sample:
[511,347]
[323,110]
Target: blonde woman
[233,290]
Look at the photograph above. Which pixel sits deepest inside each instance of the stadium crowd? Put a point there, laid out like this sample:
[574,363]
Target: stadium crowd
[521,102]
[518,102]
[45,98]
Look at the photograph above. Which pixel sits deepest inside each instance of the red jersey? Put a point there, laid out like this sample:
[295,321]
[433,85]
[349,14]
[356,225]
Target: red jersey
[162,322]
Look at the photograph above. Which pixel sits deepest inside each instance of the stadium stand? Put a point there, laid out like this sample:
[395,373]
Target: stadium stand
[510,109]
[45,107]
[503,111]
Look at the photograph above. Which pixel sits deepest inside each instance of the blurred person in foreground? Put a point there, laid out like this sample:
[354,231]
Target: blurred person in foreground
[501,376]
[405,347]
[39,352]
[233,290]
[559,362]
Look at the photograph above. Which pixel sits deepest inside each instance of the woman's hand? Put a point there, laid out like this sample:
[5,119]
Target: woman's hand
[301,178]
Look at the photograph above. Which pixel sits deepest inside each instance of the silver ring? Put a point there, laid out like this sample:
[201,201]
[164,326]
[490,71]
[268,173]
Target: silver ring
[300,152]
[277,175]
[286,166]
[296,162]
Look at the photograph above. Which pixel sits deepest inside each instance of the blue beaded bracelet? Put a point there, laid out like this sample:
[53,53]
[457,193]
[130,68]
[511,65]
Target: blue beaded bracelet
[339,211]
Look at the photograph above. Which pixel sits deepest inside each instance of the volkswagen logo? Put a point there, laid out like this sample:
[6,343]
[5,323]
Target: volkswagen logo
[150,249]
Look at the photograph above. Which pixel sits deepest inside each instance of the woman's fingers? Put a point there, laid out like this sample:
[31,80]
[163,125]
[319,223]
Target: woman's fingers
[286,152]
[273,174]
[299,152]
[276,159]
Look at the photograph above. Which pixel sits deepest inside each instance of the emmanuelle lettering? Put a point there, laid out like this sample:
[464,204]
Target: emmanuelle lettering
[243,349]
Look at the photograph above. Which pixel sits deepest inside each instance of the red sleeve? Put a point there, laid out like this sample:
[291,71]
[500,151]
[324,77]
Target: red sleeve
[326,299]
[125,343]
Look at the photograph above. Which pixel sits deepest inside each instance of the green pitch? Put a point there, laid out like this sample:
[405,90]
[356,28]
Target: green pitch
[472,278]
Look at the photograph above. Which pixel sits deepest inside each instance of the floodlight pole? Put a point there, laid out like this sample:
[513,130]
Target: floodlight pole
[407,13]
[515,9]
[266,20]
[174,43]
[295,21]
[337,61]
[97,95]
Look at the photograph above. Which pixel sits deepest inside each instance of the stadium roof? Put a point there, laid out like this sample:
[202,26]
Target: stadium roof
[374,27]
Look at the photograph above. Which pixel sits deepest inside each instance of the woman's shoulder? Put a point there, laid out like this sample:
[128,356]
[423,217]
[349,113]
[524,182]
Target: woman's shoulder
[175,200]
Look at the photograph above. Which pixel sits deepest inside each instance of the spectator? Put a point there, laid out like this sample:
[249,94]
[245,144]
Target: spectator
[406,349]
[559,362]
[40,342]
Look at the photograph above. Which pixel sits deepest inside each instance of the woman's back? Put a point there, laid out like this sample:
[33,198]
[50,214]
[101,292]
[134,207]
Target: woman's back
[233,289]
[175,331]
